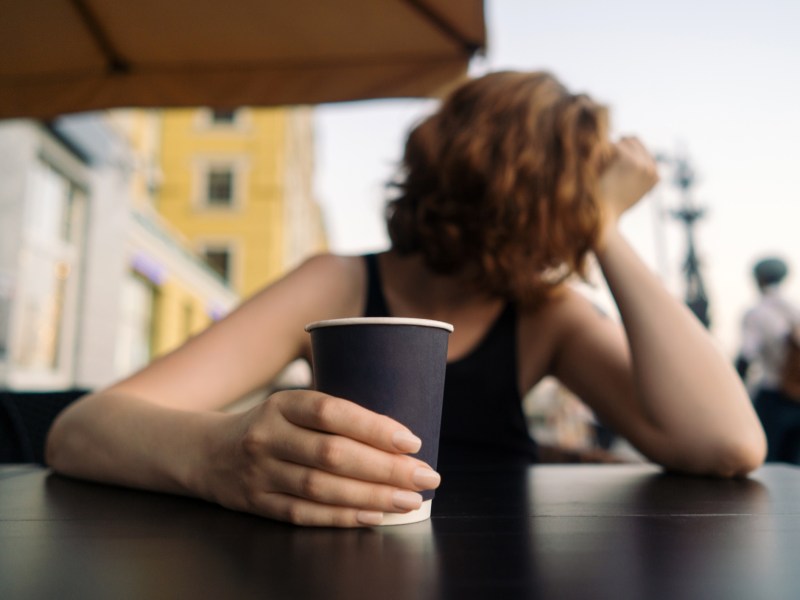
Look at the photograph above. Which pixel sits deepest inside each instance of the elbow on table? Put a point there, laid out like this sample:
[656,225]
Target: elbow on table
[61,442]
[728,457]
[739,457]
[53,449]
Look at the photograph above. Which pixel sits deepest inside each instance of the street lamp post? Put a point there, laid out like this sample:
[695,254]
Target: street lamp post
[696,298]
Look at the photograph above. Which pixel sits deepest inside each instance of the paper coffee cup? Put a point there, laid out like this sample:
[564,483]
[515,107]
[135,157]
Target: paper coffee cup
[392,366]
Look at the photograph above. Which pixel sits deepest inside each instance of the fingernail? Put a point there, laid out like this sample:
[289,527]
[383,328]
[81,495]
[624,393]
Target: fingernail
[369,517]
[426,478]
[406,441]
[406,500]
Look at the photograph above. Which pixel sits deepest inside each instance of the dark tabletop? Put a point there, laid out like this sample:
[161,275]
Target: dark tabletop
[576,531]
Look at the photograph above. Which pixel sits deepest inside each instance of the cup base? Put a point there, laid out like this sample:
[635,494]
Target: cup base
[415,516]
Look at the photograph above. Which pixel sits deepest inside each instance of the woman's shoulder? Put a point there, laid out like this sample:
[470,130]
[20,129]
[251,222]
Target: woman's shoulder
[334,265]
[322,286]
[328,266]
[337,279]
[566,310]
[564,303]
[539,329]
[564,318]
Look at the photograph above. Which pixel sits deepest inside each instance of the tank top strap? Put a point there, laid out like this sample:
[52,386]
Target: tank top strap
[375,305]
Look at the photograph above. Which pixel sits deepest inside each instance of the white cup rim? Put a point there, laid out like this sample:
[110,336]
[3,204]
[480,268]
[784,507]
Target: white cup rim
[380,321]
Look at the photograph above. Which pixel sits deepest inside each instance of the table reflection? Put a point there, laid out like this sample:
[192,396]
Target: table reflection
[206,550]
[626,534]
[563,532]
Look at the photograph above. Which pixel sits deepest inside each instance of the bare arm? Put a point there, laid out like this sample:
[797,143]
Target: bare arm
[292,458]
[664,385]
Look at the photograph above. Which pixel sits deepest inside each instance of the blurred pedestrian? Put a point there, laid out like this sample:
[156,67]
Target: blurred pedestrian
[762,360]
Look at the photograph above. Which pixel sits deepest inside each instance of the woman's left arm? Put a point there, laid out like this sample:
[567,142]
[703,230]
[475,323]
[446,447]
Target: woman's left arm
[669,389]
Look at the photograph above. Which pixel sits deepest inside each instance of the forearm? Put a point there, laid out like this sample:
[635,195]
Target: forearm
[118,439]
[687,388]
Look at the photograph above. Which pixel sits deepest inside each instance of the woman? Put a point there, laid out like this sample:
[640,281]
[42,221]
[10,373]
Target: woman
[505,191]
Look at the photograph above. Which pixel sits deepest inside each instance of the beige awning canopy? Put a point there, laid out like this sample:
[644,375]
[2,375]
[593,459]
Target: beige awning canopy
[63,56]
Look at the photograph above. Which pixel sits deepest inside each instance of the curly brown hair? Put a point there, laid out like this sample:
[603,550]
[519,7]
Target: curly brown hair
[499,185]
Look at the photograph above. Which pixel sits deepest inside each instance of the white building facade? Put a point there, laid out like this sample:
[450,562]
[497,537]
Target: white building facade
[82,263]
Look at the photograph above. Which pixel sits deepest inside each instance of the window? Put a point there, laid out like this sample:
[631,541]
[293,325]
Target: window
[43,327]
[6,290]
[219,182]
[135,333]
[188,319]
[223,121]
[223,116]
[219,188]
[220,260]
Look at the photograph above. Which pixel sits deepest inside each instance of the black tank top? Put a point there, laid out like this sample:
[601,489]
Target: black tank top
[482,419]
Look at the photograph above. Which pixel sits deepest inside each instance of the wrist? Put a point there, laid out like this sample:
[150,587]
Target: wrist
[609,231]
[204,462]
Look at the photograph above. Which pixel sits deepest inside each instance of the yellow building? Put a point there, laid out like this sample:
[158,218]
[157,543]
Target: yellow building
[168,292]
[238,185]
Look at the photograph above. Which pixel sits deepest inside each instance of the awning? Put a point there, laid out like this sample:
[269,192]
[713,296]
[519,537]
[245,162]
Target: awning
[63,56]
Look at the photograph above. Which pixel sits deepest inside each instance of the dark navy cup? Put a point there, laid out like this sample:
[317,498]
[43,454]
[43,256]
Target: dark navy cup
[392,366]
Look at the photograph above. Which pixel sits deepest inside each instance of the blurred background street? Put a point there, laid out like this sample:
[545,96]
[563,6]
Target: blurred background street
[202,206]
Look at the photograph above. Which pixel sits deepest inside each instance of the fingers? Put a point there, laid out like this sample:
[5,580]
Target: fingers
[630,176]
[637,154]
[303,512]
[633,147]
[314,459]
[350,458]
[321,412]
[340,437]
[332,490]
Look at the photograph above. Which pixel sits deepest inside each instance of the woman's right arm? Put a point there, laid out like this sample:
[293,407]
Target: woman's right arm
[300,456]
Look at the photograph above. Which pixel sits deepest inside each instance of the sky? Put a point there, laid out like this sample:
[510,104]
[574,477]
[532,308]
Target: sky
[714,83]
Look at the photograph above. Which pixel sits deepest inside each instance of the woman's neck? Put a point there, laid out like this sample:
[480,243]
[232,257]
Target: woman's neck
[411,288]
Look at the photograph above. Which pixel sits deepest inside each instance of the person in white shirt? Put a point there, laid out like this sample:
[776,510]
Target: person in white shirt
[761,357]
